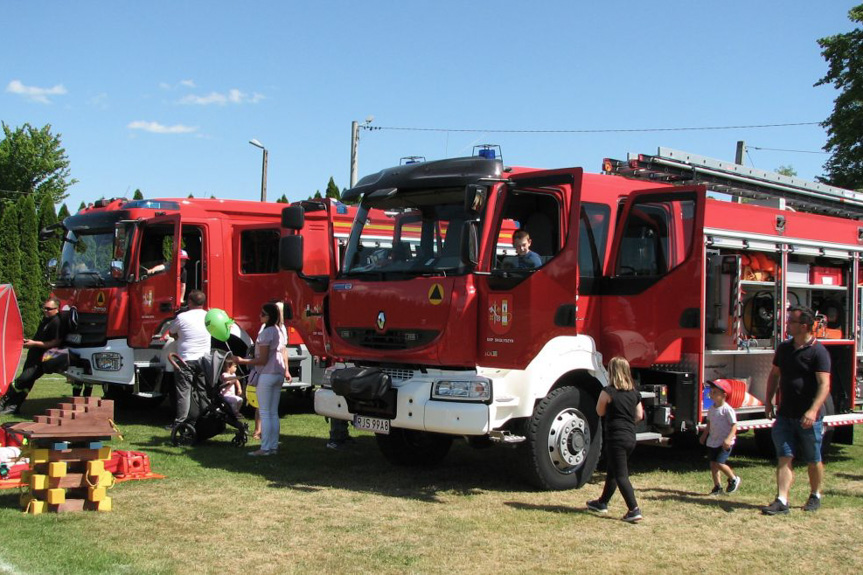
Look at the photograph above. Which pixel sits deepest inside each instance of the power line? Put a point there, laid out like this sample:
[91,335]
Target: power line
[596,131]
[782,150]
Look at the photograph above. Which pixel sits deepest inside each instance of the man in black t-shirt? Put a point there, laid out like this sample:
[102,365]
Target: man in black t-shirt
[47,336]
[801,373]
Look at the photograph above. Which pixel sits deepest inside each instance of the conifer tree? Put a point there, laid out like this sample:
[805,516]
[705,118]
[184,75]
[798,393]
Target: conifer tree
[333,190]
[29,287]
[138,195]
[50,247]
[63,213]
[10,252]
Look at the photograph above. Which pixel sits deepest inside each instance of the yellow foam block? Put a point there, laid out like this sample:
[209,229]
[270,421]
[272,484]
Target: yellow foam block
[38,481]
[96,493]
[106,479]
[36,507]
[39,456]
[104,505]
[95,467]
[56,496]
[105,453]
[57,469]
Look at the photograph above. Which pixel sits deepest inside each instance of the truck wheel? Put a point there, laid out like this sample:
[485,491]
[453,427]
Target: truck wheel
[564,440]
[413,448]
[764,438]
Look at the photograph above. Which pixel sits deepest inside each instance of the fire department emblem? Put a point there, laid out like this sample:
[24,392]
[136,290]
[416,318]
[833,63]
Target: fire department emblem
[381,322]
[500,313]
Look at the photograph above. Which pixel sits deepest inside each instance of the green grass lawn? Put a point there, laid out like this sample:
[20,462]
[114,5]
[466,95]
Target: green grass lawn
[312,510]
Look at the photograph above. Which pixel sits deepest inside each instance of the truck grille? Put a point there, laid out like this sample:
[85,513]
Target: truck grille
[398,374]
[92,329]
[391,339]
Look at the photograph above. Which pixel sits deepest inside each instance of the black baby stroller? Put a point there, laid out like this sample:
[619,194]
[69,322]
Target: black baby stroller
[209,412]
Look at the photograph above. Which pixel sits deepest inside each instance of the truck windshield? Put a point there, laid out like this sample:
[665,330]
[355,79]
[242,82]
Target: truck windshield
[408,233]
[86,259]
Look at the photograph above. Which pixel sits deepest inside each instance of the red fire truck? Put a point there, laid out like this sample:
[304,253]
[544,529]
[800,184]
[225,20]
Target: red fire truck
[105,272]
[448,337]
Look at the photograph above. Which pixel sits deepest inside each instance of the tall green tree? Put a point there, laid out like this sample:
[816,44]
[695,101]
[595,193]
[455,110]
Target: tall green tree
[844,56]
[283,200]
[33,161]
[138,195]
[333,190]
[50,247]
[10,251]
[786,171]
[29,287]
[63,213]
[82,206]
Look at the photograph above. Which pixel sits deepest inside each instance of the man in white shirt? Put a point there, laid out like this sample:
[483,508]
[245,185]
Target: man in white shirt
[193,342]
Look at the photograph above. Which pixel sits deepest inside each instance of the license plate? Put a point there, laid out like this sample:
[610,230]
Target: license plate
[375,424]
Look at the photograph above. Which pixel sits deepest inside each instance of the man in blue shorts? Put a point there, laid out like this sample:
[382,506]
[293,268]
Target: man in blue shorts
[801,372]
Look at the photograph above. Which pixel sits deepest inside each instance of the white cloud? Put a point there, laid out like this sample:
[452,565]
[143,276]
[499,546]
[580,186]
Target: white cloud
[180,84]
[33,93]
[157,128]
[234,96]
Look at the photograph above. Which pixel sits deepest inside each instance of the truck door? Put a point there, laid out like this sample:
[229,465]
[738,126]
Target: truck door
[308,295]
[154,298]
[522,305]
[652,298]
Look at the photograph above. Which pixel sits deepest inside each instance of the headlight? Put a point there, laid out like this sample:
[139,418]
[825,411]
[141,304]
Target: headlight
[327,378]
[108,361]
[462,390]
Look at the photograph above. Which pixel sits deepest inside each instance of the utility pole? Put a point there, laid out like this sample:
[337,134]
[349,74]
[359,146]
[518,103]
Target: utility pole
[741,152]
[257,144]
[355,144]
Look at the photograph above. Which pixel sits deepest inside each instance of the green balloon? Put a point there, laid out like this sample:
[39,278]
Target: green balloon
[218,324]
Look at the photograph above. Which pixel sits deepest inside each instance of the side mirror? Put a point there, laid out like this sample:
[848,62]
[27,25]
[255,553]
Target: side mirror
[51,267]
[291,253]
[474,198]
[117,269]
[469,246]
[293,218]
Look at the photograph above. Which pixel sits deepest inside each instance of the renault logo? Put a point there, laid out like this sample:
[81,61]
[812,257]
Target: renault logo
[382,321]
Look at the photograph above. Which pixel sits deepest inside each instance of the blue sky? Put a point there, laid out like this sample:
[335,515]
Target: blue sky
[164,96]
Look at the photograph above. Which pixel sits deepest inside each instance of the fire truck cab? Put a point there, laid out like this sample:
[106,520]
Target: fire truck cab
[443,331]
[121,269]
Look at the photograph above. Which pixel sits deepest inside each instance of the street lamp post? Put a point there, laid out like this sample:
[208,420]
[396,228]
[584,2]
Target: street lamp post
[257,144]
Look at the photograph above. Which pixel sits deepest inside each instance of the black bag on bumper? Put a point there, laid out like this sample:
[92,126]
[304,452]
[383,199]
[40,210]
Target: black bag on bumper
[361,383]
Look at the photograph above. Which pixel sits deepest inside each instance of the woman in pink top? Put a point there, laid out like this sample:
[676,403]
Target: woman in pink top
[269,362]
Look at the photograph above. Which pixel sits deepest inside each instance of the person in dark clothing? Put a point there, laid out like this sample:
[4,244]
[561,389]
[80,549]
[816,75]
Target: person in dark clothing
[801,374]
[620,406]
[47,336]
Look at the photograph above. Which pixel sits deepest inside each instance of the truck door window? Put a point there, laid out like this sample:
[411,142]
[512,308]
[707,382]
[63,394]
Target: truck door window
[157,247]
[537,214]
[592,238]
[259,252]
[657,237]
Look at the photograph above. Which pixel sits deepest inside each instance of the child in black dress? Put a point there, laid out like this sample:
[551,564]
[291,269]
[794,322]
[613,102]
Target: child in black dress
[620,406]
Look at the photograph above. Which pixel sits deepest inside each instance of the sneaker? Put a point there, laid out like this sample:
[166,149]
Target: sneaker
[597,506]
[632,516]
[813,503]
[717,490]
[10,409]
[775,508]
[733,485]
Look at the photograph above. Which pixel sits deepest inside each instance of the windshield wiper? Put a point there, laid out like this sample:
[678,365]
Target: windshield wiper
[97,275]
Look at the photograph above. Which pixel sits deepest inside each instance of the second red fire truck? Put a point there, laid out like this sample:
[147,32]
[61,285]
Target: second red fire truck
[439,336]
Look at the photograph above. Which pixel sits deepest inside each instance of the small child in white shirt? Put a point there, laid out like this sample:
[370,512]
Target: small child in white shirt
[231,389]
[719,436]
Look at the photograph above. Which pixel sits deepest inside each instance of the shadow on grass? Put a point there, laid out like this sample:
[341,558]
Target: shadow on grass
[722,502]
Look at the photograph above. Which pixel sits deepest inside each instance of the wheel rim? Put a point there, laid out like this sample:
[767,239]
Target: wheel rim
[568,440]
[184,435]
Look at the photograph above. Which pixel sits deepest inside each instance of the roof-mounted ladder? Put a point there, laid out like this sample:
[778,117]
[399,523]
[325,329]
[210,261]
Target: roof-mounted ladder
[676,167]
